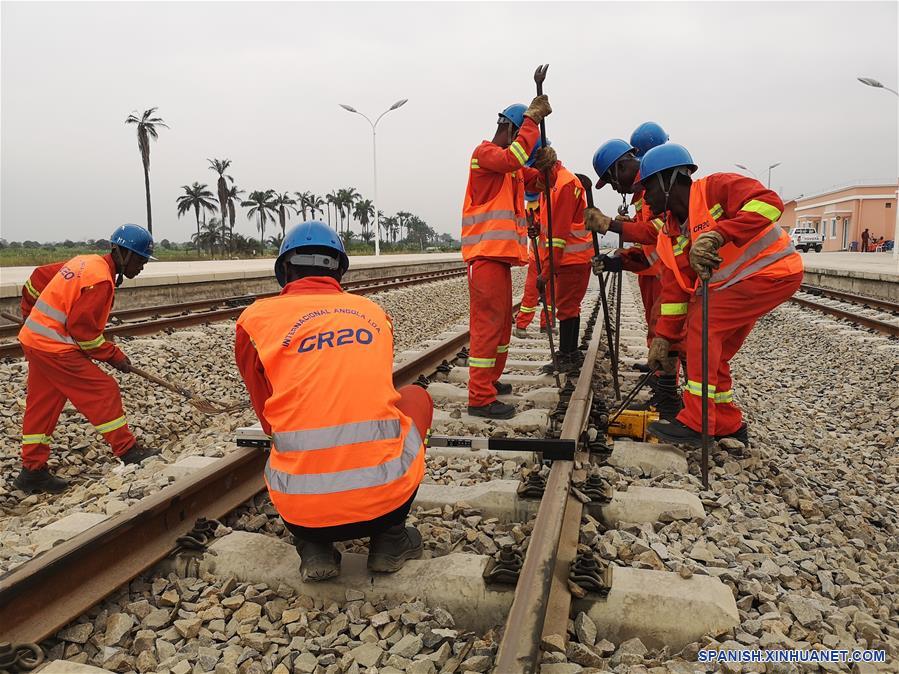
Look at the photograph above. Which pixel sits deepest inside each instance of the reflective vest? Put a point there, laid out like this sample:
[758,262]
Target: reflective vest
[45,328]
[770,253]
[578,245]
[341,450]
[496,228]
[644,213]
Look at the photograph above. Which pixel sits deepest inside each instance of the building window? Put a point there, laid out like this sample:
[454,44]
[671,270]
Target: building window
[889,205]
[833,228]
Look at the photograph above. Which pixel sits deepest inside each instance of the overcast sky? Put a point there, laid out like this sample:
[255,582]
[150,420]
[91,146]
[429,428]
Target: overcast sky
[750,83]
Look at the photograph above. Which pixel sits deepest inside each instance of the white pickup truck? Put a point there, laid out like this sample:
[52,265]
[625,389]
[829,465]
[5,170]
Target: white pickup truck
[806,239]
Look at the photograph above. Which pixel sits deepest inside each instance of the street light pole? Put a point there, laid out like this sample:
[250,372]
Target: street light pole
[374,158]
[871,82]
[773,166]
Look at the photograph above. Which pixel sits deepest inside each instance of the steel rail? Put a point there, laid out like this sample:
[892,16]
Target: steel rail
[542,582]
[148,327]
[874,302]
[873,323]
[44,594]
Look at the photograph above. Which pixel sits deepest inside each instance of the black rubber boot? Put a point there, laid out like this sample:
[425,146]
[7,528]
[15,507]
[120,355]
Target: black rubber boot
[388,551]
[502,389]
[39,482]
[318,561]
[675,432]
[137,454]
[740,435]
[665,399]
[568,335]
[495,410]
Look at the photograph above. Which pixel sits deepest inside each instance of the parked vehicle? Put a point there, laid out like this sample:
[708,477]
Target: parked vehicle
[806,239]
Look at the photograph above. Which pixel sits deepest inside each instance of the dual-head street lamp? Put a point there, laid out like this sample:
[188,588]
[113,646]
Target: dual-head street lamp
[374,157]
[773,166]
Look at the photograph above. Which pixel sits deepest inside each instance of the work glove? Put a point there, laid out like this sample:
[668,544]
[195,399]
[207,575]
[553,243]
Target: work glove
[596,221]
[541,283]
[658,358]
[533,230]
[122,364]
[704,254]
[546,159]
[603,263]
[539,109]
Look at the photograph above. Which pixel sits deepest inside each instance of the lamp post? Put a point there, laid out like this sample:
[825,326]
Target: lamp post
[871,82]
[374,158]
[773,166]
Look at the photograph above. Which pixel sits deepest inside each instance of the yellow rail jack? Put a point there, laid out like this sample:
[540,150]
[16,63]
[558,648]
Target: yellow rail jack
[632,424]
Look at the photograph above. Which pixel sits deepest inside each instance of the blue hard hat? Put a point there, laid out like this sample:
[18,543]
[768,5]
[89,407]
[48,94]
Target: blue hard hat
[307,234]
[608,153]
[515,114]
[647,136]
[135,238]
[531,196]
[533,156]
[669,155]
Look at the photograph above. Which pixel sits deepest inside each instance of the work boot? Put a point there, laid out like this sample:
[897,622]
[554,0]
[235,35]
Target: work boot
[137,454]
[40,481]
[521,333]
[502,389]
[675,432]
[568,334]
[664,399]
[495,410]
[568,362]
[740,435]
[642,367]
[389,550]
[318,561]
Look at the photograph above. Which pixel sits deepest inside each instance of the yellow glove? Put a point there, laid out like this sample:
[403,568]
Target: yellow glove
[704,254]
[546,159]
[539,109]
[658,358]
[596,221]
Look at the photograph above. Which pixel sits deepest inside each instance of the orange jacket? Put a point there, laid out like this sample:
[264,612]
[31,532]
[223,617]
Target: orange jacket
[318,365]
[571,243]
[71,309]
[744,213]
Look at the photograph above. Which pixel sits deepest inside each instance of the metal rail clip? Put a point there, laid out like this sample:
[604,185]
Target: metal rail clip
[591,574]
[422,381]
[19,657]
[198,537]
[462,356]
[444,368]
[504,567]
[532,485]
[597,489]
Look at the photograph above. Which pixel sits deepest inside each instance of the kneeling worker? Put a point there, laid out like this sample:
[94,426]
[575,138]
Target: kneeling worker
[347,448]
[65,316]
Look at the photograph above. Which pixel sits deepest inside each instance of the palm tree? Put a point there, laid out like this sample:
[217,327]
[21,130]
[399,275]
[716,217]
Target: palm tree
[209,235]
[196,196]
[390,226]
[283,203]
[364,211]
[350,197]
[303,201]
[220,166]
[146,129]
[261,205]
[316,203]
[233,197]
[333,199]
[402,218]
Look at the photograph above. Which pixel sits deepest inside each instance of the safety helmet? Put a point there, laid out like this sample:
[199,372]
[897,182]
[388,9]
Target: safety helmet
[513,114]
[134,238]
[662,157]
[308,234]
[533,156]
[608,153]
[647,136]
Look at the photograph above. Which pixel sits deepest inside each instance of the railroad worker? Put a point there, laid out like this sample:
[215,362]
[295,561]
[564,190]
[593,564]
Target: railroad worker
[530,299]
[494,239]
[63,331]
[617,163]
[347,448]
[721,228]
[571,249]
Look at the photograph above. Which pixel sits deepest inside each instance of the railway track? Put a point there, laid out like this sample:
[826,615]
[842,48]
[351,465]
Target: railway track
[48,592]
[153,319]
[870,312]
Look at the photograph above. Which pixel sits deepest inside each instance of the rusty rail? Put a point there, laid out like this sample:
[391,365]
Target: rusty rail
[873,302]
[873,323]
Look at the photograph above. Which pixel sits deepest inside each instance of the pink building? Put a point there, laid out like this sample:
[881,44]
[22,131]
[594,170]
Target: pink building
[843,214]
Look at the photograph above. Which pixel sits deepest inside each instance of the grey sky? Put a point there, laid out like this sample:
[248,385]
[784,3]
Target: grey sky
[752,83]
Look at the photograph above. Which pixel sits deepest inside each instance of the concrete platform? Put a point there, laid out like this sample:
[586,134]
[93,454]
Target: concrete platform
[661,608]
[872,274]
[453,582]
[651,458]
[66,528]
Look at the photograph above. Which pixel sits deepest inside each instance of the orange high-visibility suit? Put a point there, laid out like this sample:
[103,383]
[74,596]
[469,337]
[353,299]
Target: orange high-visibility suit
[347,447]
[530,300]
[65,316]
[494,239]
[760,270]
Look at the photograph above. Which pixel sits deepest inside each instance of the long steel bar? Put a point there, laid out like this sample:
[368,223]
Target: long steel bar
[875,302]
[873,323]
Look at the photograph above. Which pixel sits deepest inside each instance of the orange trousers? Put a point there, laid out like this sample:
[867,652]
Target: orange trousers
[530,301]
[650,293]
[490,322]
[54,378]
[732,314]
[571,286]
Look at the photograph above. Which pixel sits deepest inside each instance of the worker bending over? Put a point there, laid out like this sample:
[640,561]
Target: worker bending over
[65,307]
[494,239]
[721,228]
[571,248]
[347,448]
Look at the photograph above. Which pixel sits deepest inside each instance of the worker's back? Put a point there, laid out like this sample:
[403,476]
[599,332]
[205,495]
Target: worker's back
[335,425]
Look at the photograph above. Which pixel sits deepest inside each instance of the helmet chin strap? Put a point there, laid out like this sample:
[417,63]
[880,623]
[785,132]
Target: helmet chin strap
[667,188]
[121,263]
